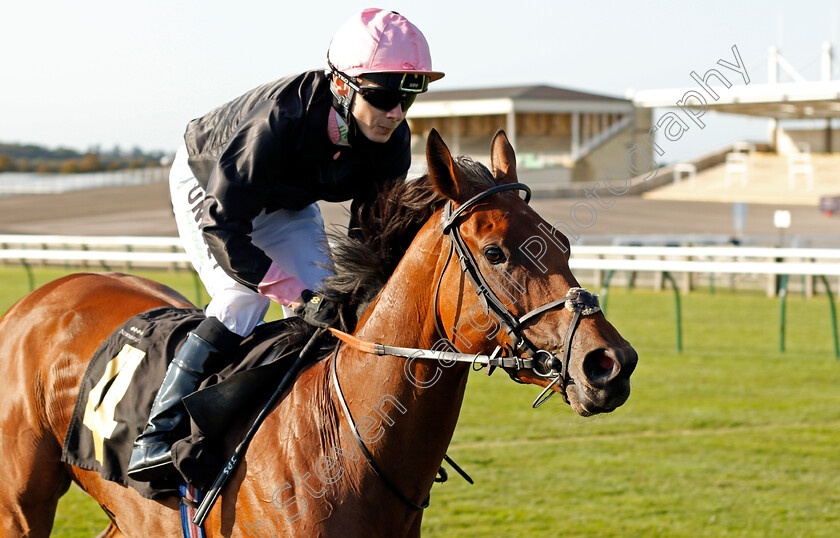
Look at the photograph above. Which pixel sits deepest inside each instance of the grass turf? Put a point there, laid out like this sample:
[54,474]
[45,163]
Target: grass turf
[729,438]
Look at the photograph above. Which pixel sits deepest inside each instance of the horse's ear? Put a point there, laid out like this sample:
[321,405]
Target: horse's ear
[446,176]
[502,159]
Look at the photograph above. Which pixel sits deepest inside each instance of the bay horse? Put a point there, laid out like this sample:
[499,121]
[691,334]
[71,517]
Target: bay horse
[305,472]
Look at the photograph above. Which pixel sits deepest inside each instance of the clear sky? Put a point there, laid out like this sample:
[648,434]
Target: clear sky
[85,73]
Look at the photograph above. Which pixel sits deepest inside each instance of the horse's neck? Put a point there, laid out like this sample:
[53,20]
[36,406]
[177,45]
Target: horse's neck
[418,401]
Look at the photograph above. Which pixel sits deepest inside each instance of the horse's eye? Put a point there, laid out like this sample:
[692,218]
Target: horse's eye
[494,255]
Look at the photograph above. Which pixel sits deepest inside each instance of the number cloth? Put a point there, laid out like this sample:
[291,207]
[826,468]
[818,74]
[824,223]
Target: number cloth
[120,383]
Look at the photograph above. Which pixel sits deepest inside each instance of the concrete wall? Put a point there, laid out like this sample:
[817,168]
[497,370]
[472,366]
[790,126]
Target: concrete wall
[613,153]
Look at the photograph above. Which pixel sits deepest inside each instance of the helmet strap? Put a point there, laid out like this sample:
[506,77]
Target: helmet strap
[343,104]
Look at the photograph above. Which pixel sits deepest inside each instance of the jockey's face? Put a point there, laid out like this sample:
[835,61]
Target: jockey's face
[375,124]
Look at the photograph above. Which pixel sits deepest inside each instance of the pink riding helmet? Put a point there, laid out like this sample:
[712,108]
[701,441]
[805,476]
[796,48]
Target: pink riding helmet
[380,41]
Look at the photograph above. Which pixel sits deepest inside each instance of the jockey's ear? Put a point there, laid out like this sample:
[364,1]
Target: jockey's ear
[446,176]
[502,159]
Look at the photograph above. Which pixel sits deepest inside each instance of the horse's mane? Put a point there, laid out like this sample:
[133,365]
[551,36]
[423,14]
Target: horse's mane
[380,232]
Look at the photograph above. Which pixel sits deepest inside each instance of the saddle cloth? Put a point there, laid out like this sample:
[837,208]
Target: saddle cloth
[124,375]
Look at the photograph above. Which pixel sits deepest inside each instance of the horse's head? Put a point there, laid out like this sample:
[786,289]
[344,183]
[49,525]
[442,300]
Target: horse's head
[512,264]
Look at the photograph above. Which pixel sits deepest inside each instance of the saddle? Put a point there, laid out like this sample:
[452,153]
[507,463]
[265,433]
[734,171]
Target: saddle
[121,381]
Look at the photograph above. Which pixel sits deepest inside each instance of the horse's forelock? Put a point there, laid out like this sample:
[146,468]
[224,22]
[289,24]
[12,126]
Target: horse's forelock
[477,174]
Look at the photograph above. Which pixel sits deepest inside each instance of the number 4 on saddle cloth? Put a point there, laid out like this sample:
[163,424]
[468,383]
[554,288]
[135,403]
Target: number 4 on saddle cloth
[124,375]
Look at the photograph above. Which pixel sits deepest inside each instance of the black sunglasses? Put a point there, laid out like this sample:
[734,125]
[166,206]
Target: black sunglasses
[385,99]
[393,89]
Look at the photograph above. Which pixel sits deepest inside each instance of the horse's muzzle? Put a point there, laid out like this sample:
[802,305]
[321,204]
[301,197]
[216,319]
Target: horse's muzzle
[601,381]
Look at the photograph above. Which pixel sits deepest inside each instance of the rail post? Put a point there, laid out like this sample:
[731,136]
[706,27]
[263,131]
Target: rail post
[783,279]
[605,289]
[667,276]
[29,275]
[833,317]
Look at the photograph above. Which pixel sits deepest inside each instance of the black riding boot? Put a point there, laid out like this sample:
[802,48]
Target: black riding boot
[151,458]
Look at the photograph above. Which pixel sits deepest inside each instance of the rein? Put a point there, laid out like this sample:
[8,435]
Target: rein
[361,443]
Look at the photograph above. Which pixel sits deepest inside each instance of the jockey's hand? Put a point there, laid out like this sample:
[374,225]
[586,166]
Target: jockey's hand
[318,309]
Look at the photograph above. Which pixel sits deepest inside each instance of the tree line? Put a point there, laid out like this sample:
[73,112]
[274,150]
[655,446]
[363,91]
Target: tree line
[32,158]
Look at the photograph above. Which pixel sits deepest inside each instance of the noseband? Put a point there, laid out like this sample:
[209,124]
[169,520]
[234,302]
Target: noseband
[578,300]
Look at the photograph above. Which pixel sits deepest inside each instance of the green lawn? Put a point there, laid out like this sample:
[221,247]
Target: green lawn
[729,438]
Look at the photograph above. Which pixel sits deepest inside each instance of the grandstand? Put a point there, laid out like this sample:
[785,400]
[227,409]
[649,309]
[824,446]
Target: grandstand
[759,177]
[567,140]
[801,163]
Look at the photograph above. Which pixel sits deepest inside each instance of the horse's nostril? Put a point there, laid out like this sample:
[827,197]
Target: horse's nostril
[600,366]
[606,363]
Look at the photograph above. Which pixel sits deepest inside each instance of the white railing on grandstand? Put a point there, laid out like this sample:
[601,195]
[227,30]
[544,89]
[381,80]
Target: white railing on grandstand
[591,144]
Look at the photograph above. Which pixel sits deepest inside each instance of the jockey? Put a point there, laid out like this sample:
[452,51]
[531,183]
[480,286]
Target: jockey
[245,185]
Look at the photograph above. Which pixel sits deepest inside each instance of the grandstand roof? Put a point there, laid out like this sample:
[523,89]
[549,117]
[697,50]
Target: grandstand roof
[794,100]
[516,92]
[534,98]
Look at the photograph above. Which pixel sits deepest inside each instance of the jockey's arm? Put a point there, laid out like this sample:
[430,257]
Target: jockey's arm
[236,193]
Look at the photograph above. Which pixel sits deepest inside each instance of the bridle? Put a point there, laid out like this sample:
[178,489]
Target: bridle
[542,362]
[578,300]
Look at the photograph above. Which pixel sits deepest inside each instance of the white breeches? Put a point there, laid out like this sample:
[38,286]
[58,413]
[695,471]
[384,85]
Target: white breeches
[294,240]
